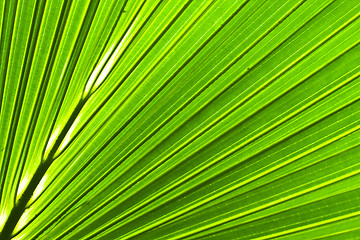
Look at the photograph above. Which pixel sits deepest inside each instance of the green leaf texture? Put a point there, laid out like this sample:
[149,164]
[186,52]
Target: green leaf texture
[180,119]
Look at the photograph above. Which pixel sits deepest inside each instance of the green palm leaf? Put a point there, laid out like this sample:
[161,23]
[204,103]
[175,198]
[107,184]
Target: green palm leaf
[191,119]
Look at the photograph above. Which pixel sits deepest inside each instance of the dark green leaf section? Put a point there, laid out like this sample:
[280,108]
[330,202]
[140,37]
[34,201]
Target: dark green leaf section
[167,119]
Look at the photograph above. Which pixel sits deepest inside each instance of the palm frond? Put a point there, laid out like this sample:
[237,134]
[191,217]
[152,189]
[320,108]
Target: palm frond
[190,119]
